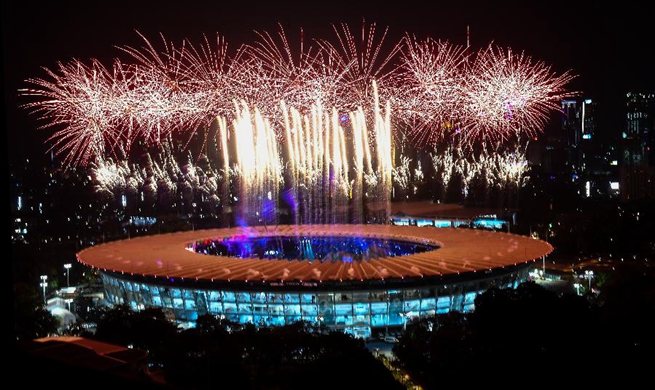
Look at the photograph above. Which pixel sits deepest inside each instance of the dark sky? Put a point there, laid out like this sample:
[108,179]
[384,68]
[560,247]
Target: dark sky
[610,50]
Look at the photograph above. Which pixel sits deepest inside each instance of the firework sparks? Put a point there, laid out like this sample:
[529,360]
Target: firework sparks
[510,94]
[77,100]
[313,114]
[450,92]
[438,90]
[432,89]
[362,62]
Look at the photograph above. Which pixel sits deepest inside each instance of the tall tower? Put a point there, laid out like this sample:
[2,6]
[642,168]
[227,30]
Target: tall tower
[583,148]
[637,141]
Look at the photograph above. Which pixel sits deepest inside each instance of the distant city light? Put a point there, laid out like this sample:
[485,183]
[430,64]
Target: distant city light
[142,221]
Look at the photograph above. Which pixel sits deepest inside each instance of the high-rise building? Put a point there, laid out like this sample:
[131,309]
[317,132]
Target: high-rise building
[637,144]
[590,158]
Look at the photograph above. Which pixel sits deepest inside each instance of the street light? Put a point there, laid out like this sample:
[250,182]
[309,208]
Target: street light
[577,288]
[319,319]
[44,284]
[589,275]
[68,267]
[404,317]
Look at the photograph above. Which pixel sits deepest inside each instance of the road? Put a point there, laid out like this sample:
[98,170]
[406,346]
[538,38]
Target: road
[380,347]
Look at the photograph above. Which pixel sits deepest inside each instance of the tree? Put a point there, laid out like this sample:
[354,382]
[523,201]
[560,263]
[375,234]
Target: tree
[32,318]
[114,325]
[439,350]
[627,318]
[511,332]
[294,356]
[147,329]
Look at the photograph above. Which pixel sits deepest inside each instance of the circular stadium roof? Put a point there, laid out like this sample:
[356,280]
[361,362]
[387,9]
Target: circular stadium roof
[460,251]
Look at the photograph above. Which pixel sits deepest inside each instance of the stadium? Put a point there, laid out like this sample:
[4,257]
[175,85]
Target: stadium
[356,278]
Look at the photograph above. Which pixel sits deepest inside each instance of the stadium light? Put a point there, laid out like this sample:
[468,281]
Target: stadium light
[588,274]
[68,268]
[44,284]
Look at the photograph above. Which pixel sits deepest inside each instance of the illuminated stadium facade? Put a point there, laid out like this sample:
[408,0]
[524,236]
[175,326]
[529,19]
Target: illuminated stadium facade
[354,278]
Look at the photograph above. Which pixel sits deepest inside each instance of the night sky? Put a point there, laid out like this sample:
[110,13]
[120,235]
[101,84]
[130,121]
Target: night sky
[610,50]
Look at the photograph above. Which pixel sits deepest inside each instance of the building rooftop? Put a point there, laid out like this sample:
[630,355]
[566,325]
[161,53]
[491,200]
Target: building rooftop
[72,361]
[84,352]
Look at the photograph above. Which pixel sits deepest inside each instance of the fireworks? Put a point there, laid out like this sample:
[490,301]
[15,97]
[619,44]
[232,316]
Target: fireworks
[306,120]
[437,90]
[510,94]
[364,62]
[504,168]
[431,94]
[450,92]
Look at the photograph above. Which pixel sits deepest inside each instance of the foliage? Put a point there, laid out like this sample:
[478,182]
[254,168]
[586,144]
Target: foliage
[146,329]
[514,333]
[32,320]
[627,300]
[219,352]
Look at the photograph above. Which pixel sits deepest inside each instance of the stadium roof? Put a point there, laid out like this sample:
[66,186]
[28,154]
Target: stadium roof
[423,209]
[461,251]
